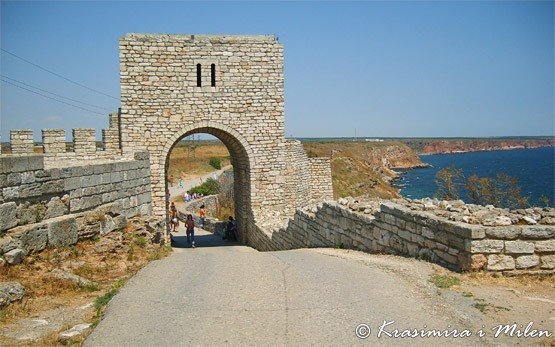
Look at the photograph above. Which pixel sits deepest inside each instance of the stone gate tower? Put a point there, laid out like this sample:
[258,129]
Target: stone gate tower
[228,86]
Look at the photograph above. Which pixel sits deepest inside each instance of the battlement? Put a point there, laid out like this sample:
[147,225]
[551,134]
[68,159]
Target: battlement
[202,38]
[56,152]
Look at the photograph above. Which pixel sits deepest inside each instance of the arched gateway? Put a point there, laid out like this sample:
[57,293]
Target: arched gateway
[227,86]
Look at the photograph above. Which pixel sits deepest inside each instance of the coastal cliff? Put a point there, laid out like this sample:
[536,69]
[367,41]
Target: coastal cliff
[471,145]
[365,168]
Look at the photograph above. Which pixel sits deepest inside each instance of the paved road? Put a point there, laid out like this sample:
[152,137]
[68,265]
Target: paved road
[229,294]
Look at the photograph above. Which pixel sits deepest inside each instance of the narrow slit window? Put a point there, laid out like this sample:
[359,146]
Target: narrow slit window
[199,76]
[213,75]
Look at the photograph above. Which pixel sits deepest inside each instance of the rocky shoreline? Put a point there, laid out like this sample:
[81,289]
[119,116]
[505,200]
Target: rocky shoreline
[467,146]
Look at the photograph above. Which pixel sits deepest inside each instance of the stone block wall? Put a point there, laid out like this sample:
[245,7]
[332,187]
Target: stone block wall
[396,229]
[210,202]
[161,103]
[84,145]
[321,187]
[41,207]
[211,224]
[298,181]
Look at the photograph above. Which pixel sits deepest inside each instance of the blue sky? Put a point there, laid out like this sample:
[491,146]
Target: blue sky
[382,69]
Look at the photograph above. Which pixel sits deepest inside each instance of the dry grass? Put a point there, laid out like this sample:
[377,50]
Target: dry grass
[44,293]
[187,164]
[521,281]
[356,167]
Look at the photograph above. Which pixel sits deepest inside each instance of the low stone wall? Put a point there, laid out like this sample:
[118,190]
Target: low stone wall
[57,207]
[210,202]
[211,224]
[396,229]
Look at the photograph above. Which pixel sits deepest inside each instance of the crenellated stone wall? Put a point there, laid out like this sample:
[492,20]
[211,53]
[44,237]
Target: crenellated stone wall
[83,148]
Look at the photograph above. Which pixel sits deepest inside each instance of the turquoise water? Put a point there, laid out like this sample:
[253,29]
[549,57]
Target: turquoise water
[535,169]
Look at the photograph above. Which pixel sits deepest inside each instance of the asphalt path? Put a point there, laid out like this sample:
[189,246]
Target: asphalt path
[222,293]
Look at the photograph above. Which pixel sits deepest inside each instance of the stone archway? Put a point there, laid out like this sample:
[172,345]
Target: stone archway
[230,87]
[242,160]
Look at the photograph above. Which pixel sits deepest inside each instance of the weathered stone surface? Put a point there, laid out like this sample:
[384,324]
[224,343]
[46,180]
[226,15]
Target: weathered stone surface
[527,261]
[75,331]
[514,247]
[506,233]
[62,232]
[499,262]
[486,246]
[29,213]
[7,243]
[528,220]
[55,208]
[478,261]
[548,261]
[68,276]
[545,246]
[10,292]
[15,256]
[33,238]
[7,216]
[548,221]
[538,232]
[107,225]
[497,221]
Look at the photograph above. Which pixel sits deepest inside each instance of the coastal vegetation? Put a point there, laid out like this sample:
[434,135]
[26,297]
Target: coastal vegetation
[208,187]
[364,168]
[500,191]
[369,168]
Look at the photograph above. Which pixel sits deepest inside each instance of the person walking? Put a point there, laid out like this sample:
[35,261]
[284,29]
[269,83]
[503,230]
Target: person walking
[231,230]
[190,225]
[202,214]
[174,219]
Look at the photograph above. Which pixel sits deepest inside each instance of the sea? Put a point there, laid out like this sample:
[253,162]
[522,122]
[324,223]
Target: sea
[534,168]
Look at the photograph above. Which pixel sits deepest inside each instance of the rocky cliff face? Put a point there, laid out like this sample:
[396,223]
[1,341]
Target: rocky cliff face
[363,168]
[461,146]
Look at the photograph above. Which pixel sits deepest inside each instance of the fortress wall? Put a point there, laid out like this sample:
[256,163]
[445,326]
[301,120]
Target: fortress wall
[42,207]
[161,100]
[22,142]
[321,187]
[83,149]
[297,177]
[396,229]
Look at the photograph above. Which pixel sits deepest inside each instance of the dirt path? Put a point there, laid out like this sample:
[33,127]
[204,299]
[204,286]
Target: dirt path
[177,190]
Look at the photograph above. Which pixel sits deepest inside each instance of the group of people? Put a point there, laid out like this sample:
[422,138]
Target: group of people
[189,197]
[180,182]
[230,232]
[189,225]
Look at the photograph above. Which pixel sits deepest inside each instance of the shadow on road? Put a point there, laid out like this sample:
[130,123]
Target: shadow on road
[202,239]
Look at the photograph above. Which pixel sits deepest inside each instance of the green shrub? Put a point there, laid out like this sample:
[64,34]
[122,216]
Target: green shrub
[216,163]
[209,187]
[139,241]
[445,281]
